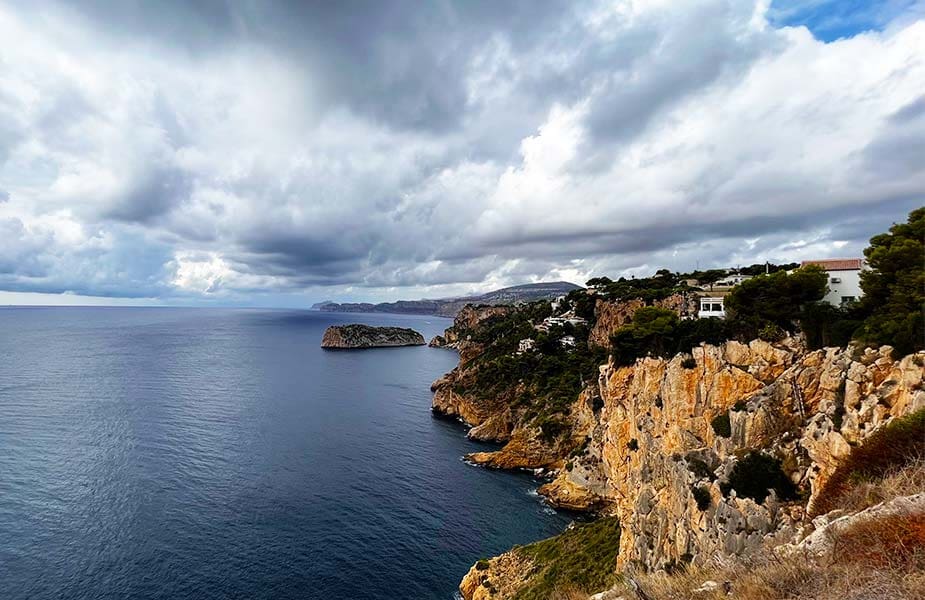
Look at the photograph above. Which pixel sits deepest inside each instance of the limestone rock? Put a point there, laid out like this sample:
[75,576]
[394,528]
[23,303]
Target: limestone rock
[612,315]
[358,336]
[655,441]
[821,542]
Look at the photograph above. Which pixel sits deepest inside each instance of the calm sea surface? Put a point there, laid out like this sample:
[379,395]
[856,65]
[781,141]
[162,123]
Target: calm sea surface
[203,453]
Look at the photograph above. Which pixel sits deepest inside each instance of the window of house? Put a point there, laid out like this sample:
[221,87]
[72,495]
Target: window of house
[847,299]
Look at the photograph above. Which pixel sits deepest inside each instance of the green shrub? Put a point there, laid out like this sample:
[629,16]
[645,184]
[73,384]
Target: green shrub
[580,450]
[893,446]
[482,564]
[699,468]
[663,284]
[825,325]
[689,363]
[650,332]
[551,427]
[755,475]
[633,445]
[771,332]
[721,425]
[702,497]
[582,557]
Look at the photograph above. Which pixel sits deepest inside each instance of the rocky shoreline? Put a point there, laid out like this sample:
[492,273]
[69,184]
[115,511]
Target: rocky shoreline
[654,444]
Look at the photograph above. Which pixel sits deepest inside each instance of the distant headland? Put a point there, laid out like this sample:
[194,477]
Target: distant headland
[449,307]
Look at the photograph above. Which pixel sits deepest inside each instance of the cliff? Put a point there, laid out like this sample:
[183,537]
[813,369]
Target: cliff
[725,450]
[541,403]
[610,316]
[679,443]
[364,336]
[503,394]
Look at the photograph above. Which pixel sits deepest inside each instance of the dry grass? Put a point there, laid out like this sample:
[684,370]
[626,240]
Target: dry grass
[879,560]
[903,481]
[895,542]
[891,447]
[568,593]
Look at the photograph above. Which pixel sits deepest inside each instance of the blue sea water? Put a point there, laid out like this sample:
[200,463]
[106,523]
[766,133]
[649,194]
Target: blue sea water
[220,453]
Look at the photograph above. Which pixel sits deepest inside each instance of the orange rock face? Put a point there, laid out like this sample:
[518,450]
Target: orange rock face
[654,442]
[611,315]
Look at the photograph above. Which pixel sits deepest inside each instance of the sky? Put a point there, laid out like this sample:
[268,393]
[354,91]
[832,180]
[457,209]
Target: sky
[282,153]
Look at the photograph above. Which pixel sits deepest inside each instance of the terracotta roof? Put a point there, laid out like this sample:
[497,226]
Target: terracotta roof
[836,264]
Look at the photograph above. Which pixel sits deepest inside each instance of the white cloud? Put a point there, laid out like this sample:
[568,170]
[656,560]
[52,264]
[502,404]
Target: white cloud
[623,136]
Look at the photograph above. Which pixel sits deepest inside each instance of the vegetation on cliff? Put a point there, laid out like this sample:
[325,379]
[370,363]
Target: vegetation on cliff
[581,558]
[541,384]
[663,443]
[765,307]
[892,310]
[357,336]
[575,563]
[769,306]
[894,287]
[899,443]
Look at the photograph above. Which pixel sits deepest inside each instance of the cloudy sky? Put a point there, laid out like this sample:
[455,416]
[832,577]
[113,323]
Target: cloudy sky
[281,153]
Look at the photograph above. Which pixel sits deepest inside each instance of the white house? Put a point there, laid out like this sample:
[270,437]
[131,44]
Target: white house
[712,306]
[844,278]
[561,320]
[526,345]
[731,281]
[567,341]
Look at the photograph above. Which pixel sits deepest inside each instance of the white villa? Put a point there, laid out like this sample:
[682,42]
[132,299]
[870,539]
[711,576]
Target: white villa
[561,320]
[731,281]
[844,278]
[526,345]
[711,306]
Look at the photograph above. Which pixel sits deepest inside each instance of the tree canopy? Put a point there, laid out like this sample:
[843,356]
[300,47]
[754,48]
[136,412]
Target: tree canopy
[779,298]
[894,287]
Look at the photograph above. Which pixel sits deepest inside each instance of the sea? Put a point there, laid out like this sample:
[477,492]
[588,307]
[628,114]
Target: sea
[199,453]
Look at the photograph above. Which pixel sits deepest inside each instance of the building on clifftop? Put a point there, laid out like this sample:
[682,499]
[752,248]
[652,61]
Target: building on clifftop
[844,278]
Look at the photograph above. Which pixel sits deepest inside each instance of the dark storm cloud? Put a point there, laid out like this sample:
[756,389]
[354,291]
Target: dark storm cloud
[401,62]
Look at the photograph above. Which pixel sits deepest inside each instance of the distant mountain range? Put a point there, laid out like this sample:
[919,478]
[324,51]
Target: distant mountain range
[448,307]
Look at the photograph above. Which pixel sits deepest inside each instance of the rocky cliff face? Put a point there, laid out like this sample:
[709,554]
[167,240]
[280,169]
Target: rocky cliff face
[450,396]
[467,318]
[495,417]
[656,442]
[657,460]
[610,316]
[364,336]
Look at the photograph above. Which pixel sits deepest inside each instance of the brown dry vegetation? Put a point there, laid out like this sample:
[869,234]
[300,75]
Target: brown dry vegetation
[892,447]
[903,481]
[883,559]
